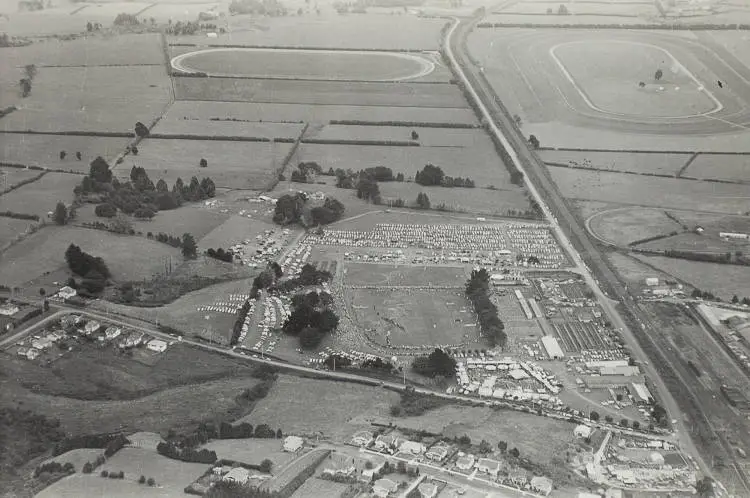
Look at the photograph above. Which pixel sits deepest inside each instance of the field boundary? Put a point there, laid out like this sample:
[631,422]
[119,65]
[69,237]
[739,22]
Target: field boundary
[601,170]
[381,143]
[303,48]
[219,138]
[642,151]
[101,134]
[200,74]
[663,27]
[411,124]
[687,165]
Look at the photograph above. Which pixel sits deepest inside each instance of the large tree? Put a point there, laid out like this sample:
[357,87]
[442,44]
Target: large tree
[189,247]
[61,214]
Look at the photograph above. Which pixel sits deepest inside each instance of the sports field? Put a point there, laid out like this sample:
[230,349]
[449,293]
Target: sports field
[622,226]
[44,150]
[375,274]
[303,64]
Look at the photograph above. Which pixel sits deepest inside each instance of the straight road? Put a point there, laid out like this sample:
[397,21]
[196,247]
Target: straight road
[537,182]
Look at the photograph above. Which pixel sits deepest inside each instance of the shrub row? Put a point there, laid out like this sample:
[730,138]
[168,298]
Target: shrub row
[386,143]
[19,216]
[410,124]
[672,26]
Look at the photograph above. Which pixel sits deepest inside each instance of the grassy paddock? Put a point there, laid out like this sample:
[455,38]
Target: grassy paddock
[44,150]
[627,225]
[719,166]
[375,274]
[663,164]
[41,196]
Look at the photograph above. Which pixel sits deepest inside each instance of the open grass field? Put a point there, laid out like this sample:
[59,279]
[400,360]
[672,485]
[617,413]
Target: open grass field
[44,150]
[649,191]
[77,457]
[309,64]
[10,228]
[479,163]
[721,167]
[128,257]
[313,488]
[624,225]
[336,404]
[252,451]
[700,243]
[320,92]
[721,280]
[296,113]
[41,196]
[371,31]
[92,50]
[205,128]
[171,476]
[236,229]
[14,176]
[589,8]
[428,137]
[96,99]
[415,317]
[183,11]
[662,164]
[632,270]
[375,274]
[242,165]
[599,20]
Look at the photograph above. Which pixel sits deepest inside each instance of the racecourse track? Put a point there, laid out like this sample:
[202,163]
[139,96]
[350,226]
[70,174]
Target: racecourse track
[533,67]
[304,64]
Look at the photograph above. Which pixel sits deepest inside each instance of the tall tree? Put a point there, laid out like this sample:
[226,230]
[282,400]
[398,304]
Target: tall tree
[189,247]
[61,214]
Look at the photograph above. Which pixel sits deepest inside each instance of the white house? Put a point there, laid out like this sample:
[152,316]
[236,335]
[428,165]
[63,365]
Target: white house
[91,327]
[66,292]
[157,345]
[541,485]
[238,474]
[8,309]
[383,487]
[412,447]
[427,490]
[112,332]
[582,431]
[292,444]
[437,453]
[32,353]
[41,343]
[488,466]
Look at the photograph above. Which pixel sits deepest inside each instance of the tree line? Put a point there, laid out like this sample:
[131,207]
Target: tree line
[432,175]
[478,292]
[291,208]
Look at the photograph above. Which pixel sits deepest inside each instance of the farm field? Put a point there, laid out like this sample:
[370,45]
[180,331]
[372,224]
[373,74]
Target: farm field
[244,165]
[633,270]
[481,164]
[721,280]
[313,488]
[77,457]
[183,11]
[628,224]
[308,64]
[595,19]
[730,40]
[581,9]
[171,476]
[128,257]
[205,128]
[721,167]
[415,317]
[405,32]
[297,113]
[651,191]
[10,228]
[341,408]
[44,150]
[661,164]
[320,92]
[97,99]
[89,51]
[377,274]
[41,196]
[252,451]
[428,137]
[694,242]
[14,176]
[475,200]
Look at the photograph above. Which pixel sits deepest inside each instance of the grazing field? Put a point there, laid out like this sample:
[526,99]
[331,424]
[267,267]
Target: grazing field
[377,274]
[206,128]
[128,257]
[183,11]
[481,163]
[96,99]
[77,457]
[720,167]
[700,243]
[320,92]
[341,408]
[582,9]
[629,224]
[633,162]
[314,488]
[13,176]
[303,64]
[427,137]
[44,150]
[656,192]
[92,50]
[10,228]
[598,20]
[252,451]
[384,32]
[632,270]
[721,280]
[41,196]
[242,165]
[297,113]
[171,476]
[415,317]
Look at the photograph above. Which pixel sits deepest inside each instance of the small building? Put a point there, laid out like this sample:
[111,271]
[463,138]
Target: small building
[488,466]
[582,431]
[32,354]
[384,487]
[427,490]
[292,444]
[132,340]
[91,327]
[437,453]
[627,370]
[9,309]
[541,485]
[518,477]
[157,345]
[465,462]
[66,293]
[41,343]
[238,475]
[383,443]
[112,332]
[518,374]
[552,347]
[652,281]
[412,447]
[641,394]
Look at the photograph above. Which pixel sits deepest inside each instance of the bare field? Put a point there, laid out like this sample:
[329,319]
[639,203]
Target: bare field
[722,280]
[721,167]
[415,317]
[320,92]
[44,150]
[41,196]
[96,99]
[128,257]
[252,451]
[624,225]
[662,164]
[652,191]
[243,165]
[382,274]
[288,404]
[427,137]
[205,128]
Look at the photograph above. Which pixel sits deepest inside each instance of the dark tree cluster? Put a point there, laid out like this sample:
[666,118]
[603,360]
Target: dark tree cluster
[86,265]
[239,322]
[330,211]
[169,450]
[306,172]
[289,208]
[272,8]
[311,319]
[220,254]
[436,363]
[478,292]
[31,433]
[25,82]
[368,190]
[309,275]
[432,175]
[124,19]
[54,468]
[422,202]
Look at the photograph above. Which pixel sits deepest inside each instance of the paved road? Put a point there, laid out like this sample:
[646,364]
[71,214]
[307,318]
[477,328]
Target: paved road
[536,181]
